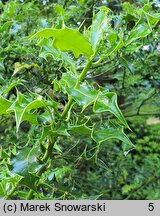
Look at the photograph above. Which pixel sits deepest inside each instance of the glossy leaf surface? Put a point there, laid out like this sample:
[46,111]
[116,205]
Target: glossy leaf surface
[99,26]
[110,131]
[47,48]
[22,107]
[26,164]
[68,40]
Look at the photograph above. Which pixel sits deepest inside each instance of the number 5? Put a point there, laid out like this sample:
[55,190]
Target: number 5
[151,206]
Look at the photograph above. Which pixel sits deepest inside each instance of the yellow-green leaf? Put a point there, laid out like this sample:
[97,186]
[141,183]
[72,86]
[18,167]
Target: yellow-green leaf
[67,39]
[99,26]
[4,105]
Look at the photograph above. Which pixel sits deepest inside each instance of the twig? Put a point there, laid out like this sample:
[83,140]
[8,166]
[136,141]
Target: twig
[142,114]
[142,103]
[96,65]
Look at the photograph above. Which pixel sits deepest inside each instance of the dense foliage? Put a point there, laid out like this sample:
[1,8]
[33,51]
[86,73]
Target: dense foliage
[79,100]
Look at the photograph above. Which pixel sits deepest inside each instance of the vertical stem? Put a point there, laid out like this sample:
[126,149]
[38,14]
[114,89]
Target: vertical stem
[49,149]
[65,111]
[84,72]
[30,195]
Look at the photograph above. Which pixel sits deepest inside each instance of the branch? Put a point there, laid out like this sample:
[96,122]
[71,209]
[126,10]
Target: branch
[142,103]
[96,65]
[142,114]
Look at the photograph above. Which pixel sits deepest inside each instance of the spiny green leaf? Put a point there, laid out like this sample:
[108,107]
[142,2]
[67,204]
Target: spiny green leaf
[83,94]
[67,39]
[26,164]
[59,9]
[152,19]
[62,130]
[26,161]
[7,88]
[140,30]
[46,131]
[59,173]
[107,101]
[3,153]
[129,9]
[47,49]
[86,95]
[110,131]
[68,80]
[5,26]
[19,67]
[30,180]
[99,26]
[81,127]
[115,47]
[112,37]
[22,107]
[4,105]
